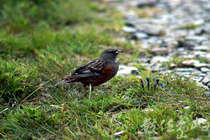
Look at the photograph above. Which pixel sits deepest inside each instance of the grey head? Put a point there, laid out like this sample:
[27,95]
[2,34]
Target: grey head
[110,54]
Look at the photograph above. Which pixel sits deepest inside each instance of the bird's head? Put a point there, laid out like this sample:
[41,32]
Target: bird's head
[110,54]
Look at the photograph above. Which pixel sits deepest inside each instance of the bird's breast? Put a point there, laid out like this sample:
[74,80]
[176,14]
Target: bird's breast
[110,69]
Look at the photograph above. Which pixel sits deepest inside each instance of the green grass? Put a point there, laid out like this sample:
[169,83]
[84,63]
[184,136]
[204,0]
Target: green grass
[40,46]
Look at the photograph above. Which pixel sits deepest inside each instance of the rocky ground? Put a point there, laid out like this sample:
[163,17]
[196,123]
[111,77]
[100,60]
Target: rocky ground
[174,36]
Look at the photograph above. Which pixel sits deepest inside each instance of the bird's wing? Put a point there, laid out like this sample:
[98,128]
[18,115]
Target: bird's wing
[93,66]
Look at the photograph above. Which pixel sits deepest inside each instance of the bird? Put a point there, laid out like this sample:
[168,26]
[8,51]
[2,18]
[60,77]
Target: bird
[95,72]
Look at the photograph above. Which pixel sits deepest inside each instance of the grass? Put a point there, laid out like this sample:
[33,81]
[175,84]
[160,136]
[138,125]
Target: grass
[36,52]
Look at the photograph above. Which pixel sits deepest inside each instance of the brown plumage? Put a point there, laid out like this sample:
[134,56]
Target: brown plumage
[95,72]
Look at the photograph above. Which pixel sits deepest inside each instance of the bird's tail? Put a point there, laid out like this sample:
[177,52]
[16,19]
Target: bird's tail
[66,80]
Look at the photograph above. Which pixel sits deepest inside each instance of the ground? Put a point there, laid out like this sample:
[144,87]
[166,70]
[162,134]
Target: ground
[40,42]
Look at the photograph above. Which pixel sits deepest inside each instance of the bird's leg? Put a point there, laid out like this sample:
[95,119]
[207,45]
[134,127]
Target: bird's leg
[90,90]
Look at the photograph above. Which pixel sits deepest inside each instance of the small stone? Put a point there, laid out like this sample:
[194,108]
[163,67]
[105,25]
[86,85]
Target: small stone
[199,65]
[195,63]
[130,24]
[138,36]
[129,29]
[186,107]
[126,70]
[206,80]
[200,121]
[191,62]
[147,3]
[159,51]
[172,65]
[201,48]
[157,67]
[201,85]
[199,22]
[207,92]
[157,59]
[197,78]
[199,53]
[196,39]
[185,69]
[185,44]
[188,56]
[208,85]
[205,69]
[151,30]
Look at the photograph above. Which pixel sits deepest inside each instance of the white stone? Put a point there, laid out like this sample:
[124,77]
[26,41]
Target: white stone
[141,35]
[205,69]
[187,107]
[191,62]
[206,79]
[126,70]
[200,121]
[202,48]
[129,29]
[157,59]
